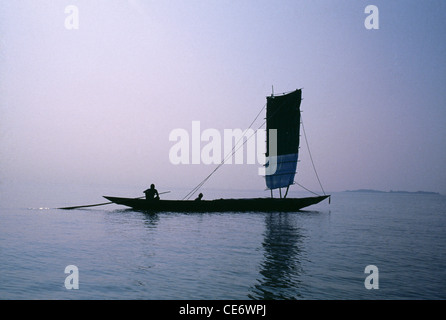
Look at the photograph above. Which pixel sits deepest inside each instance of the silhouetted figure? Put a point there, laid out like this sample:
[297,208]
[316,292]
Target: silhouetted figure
[152,193]
[199,197]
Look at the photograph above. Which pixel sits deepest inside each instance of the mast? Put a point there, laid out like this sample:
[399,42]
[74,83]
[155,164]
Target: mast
[283,115]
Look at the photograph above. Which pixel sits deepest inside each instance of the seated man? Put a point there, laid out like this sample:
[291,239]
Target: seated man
[199,197]
[152,193]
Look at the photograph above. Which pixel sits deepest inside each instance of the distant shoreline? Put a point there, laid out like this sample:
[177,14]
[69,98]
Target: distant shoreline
[391,191]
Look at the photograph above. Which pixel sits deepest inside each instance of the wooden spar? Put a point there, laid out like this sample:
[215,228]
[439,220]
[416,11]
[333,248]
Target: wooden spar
[99,204]
[286,191]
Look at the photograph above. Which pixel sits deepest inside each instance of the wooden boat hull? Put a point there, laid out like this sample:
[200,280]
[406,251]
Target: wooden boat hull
[220,205]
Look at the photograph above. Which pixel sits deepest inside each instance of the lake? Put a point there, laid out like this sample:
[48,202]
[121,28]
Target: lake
[319,253]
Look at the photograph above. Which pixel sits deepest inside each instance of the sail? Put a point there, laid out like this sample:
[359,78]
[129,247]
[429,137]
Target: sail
[282,114]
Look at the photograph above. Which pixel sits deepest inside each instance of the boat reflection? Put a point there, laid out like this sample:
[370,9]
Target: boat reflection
[280,270]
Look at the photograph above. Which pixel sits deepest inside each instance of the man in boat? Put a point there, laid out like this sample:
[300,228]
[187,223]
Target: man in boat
[152,193]
[199,197]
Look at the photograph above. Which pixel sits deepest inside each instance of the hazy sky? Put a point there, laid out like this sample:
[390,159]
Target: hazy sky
[97,104]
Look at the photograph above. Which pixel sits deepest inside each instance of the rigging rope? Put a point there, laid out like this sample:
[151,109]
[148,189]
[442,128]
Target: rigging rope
[311,158]
[306,188]
[229,155]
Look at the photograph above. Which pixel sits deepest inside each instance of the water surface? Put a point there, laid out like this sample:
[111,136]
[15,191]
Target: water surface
[320,253]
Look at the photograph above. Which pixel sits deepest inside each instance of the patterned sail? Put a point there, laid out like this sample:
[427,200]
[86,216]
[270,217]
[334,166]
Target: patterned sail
[282,144]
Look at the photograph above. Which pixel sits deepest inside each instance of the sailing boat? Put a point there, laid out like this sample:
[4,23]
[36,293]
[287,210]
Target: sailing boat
[283,121]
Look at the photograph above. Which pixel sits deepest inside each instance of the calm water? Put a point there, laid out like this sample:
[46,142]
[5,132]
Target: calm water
[316,254]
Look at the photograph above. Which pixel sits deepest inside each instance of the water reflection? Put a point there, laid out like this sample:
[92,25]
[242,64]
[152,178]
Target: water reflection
[151,220]
[280,270]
